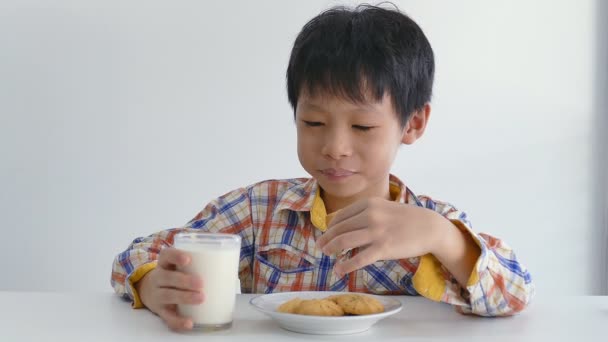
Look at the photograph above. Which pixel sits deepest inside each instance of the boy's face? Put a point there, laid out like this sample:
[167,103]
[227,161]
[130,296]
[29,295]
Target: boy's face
[349,148]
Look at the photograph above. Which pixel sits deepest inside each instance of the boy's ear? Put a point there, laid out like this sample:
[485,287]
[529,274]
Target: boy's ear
[414,128]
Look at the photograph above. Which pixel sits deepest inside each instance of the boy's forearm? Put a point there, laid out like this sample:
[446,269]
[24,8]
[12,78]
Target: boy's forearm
[456,250]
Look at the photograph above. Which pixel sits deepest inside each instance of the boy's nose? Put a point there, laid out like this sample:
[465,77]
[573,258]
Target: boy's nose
[336,146]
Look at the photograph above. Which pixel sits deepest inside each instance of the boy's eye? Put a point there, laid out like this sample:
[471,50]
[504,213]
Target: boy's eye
[362,128]
[312,123]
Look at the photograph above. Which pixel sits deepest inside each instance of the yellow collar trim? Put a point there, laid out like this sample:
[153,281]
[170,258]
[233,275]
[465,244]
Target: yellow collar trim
[318,213]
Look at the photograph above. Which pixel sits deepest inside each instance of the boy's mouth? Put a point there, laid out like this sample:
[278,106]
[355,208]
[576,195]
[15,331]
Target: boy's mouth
[337,173]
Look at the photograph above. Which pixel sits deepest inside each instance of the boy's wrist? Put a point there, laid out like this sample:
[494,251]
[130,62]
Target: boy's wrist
[445,236]
[140,288]
[455,249]
[436,232]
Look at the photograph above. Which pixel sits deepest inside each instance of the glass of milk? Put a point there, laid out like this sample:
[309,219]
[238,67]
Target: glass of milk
[215,258]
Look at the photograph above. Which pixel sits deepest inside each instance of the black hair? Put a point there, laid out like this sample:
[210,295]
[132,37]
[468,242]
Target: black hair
[359,52]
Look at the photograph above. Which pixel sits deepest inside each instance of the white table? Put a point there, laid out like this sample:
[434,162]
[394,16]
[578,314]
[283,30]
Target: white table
[33,316]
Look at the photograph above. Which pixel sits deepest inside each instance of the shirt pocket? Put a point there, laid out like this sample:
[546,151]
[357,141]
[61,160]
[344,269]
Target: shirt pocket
[282,267]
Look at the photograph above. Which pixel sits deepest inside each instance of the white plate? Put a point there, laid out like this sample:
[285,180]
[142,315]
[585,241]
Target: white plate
[321,325]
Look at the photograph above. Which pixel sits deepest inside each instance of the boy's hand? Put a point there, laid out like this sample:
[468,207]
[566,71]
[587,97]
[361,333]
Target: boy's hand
[384,230]
[161,289]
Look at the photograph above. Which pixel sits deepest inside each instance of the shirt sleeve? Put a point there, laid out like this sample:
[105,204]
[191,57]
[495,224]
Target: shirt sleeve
[230,213]
[499,284]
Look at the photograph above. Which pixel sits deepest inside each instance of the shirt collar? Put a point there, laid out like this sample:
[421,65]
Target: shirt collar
[300,196]
[305,196]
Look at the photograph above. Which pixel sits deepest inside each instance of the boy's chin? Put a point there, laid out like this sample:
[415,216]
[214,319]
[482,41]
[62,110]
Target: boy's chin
[339,190]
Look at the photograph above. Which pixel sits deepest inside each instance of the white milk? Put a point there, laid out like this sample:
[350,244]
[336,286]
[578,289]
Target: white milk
[215,258]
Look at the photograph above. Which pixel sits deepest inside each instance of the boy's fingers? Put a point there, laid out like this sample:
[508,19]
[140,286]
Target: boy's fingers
[349,224]
[179,280]
[349,211]
[174,296]
[349,240]
[365,257]
[170,256]
[175,322]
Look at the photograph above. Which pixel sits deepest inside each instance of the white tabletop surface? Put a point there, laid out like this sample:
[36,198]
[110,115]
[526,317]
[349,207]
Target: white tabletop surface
[33,316]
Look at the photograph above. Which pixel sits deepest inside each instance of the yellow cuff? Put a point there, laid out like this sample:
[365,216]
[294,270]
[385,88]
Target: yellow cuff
[474,277]
[136,276]
[428,279]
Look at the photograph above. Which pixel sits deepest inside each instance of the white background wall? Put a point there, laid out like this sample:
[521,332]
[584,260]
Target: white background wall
[601,126]
[121,118]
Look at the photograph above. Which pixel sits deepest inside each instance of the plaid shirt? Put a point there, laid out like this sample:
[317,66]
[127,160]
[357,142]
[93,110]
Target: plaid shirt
[279,222]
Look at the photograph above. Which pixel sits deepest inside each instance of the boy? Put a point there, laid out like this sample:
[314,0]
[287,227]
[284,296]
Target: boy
[360,83]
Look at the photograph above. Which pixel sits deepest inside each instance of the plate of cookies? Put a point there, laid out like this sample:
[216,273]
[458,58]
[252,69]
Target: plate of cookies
[326,312]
